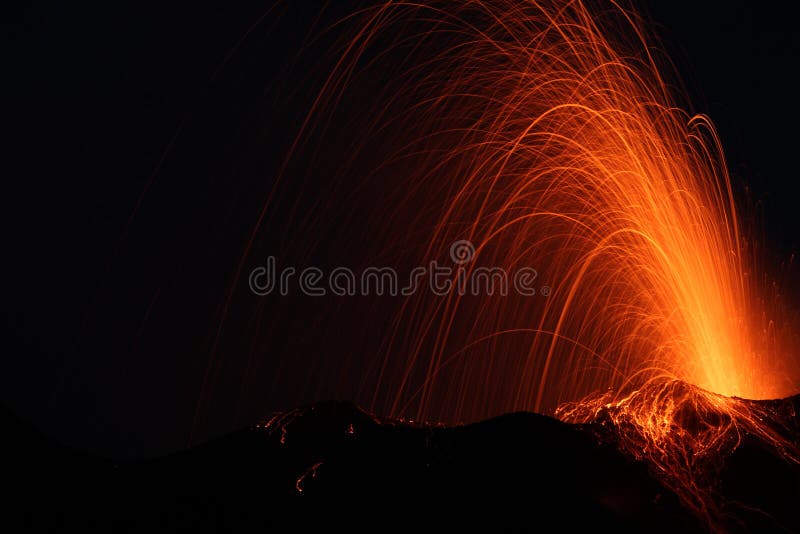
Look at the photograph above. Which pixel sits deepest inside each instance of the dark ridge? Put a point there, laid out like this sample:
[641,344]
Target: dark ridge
[333,464]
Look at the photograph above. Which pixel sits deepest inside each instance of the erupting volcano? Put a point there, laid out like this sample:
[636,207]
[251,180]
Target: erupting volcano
[647,374]
[555,135]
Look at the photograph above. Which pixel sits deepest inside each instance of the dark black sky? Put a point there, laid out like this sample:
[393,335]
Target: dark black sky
[111,317]
[739,59]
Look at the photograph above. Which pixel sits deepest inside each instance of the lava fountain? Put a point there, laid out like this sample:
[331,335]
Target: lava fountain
[547,135]
[554,135]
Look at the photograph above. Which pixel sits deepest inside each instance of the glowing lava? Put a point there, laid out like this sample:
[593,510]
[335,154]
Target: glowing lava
[551,136]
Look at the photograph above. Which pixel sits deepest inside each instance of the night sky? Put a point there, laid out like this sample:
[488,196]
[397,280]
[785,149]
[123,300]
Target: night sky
[143,141]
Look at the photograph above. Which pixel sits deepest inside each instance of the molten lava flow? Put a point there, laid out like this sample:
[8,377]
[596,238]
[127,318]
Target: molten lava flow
[550,136]
[685,433]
